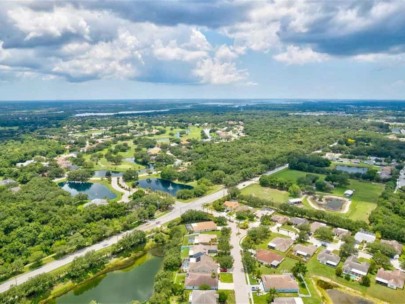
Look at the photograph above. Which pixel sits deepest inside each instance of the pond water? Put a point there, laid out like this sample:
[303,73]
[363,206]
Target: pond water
[118,287]
[333,203]
[101,173]
[158,184]
[351,170]
[339,297]
[93,190]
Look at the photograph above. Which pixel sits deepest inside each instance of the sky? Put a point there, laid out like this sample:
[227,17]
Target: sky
[100,49]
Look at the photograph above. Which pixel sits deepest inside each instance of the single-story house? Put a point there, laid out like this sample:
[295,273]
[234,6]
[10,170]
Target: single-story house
[393,279]
[231,206]
[268,257]
[195,280]
[203,297]
[348,193]
[281,219]
[288,300]
[280,244]
[295,201]
[205,239]
[297,221]
[328,258]
[394,244]
[202,227]
[285,283]
[315,226]
[364,236]
[202,249]
[204,264]
[304,250]
[340,232]
[355,268]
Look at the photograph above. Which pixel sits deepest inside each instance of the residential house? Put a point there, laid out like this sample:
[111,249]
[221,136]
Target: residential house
[298,221]
[355,268]
[364,236]
[282,283]
[280,219]
[205,239]
[295,201]
[328,258]
[393,279]
[305,251]
[231,206]
[288,300]
[348,193]
[340,232]
[199,250]
[315,226]
[196,280]
[204,264]
[394,244]
[202,227]
[203,297]
[268,257]
[280,244]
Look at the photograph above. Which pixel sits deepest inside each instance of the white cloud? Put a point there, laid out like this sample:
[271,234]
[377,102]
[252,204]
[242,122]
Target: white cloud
[213,71]
[298,55]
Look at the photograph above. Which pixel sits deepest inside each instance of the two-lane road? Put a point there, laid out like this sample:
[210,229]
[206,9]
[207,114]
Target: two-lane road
[178,209]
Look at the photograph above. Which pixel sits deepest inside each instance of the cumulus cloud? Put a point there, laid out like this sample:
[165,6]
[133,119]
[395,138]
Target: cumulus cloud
[298,55]
[159,41]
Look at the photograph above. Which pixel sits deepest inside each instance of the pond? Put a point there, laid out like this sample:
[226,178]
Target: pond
[102,173]
[158,184]
[339,297]
[93,190]
[118,287]
[351,170]
[334,203]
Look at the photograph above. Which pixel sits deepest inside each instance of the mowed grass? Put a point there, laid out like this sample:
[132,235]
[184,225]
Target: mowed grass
[364,199]
[226,277]
[375,290]
[274,195]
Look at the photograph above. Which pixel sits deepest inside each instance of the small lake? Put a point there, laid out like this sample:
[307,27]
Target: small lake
[351,170]
[158,184]
[93,190]
[118,287]
[102,173]
[334,204]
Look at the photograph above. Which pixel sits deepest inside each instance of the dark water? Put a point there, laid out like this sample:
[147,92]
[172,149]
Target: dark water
[351,170]
[93,190]
[118,287]
[334,204]
[158,184]
[101,173]
[339,297]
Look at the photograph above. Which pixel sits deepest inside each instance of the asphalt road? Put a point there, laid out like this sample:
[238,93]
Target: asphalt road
[178,209]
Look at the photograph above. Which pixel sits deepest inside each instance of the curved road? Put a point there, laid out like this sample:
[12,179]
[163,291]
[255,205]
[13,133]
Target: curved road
[178,209]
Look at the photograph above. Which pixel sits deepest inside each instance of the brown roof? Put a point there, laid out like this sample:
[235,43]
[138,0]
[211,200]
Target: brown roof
[198,279]
[205,238]
[268,257]
[308,250]
[281,244]
[316,225]
[204,226]
[206,264]
[395,277]
[281,219]
[231,205]
[204,297]
[280,281]
[394,244]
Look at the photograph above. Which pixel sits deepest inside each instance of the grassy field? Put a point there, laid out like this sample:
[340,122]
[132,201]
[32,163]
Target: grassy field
[274,195]
[226,277]
[364,199]
[231,296]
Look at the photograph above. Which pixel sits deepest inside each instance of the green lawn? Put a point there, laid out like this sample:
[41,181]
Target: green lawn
[274,195]
[231,296]
[184,252]
[364,199]
[226,277]
[284,267]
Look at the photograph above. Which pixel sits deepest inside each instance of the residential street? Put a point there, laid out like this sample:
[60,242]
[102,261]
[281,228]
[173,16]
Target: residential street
[177,210]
